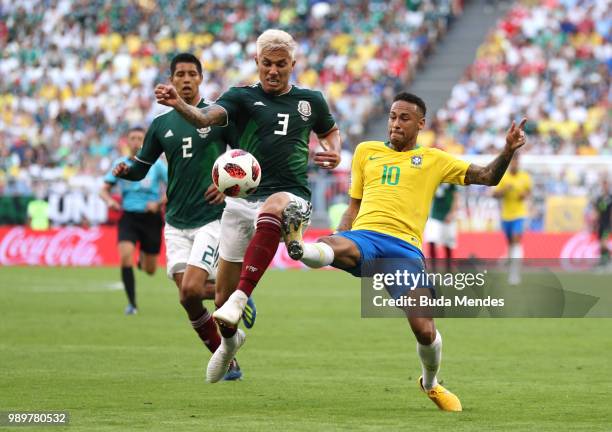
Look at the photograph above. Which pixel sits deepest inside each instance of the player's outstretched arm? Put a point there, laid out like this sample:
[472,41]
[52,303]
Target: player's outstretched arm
[137,171]
[491,174]
[349,215]
[212,115]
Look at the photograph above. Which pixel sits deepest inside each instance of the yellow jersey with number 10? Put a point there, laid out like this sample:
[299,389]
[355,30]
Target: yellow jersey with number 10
[396,188]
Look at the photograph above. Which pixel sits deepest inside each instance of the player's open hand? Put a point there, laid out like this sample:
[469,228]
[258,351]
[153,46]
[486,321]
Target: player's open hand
[515,138]
[327,159]
[213,196]
[166,94]
[121,169]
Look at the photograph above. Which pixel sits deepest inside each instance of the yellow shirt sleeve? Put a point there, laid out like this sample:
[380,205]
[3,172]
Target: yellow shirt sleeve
[452,169]
[356,190]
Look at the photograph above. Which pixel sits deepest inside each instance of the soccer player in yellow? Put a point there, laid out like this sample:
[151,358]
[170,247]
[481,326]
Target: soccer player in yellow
[514,190]
[392,187]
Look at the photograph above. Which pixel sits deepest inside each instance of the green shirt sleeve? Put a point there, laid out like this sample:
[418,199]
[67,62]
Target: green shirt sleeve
[324,121]
[231,102]
[151,148]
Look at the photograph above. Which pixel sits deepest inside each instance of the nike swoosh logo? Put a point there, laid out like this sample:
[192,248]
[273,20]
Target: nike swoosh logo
[373,158]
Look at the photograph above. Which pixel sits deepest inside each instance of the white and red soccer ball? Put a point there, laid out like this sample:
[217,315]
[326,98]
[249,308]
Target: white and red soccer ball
[236,173]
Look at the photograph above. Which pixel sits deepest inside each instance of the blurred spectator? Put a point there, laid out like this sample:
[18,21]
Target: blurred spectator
[550,61]
[77,74]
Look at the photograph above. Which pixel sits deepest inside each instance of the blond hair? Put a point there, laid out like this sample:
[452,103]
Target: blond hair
[274,39]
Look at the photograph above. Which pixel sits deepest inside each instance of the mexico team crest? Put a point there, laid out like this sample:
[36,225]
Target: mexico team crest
[304,109]
[203,132]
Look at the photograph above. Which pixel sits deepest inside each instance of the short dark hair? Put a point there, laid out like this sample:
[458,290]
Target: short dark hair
[413,99]
[136,129]
[185,58]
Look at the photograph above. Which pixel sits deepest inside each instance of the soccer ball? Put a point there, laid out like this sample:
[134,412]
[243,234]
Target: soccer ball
[236,173]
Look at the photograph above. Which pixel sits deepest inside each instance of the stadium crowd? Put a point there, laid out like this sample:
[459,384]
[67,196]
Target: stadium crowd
[77,74]
[549,60]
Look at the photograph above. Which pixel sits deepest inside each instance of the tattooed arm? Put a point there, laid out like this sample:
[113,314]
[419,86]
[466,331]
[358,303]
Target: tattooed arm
[491,174]
[212,115]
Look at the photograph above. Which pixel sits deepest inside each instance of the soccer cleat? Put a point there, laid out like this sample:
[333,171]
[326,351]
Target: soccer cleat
[229,314]
[221,360]
[292,230]
[233,373]
[131,310]
[249,314]
[444,399]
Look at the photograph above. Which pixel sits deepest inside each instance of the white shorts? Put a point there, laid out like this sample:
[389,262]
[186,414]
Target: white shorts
[238,225]
[198,247]
[441,233]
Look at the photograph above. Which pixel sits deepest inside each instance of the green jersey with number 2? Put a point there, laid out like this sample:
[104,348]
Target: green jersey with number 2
[191,153]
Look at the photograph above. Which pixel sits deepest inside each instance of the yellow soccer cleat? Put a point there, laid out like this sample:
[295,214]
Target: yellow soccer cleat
[445,400]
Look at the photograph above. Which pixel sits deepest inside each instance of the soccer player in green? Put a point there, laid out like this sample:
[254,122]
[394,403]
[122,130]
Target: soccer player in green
[441,227]
[274,120]
[194,205]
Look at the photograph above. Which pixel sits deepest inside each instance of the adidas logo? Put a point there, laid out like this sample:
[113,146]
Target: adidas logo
[259,103]
[252,269]
[169,134]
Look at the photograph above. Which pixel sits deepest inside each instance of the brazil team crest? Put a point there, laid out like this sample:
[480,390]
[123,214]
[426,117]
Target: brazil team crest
[304,109]
[203,132]
[417,161]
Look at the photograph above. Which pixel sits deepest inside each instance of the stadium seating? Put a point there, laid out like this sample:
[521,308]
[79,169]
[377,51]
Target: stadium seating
[549,60]
[76,75]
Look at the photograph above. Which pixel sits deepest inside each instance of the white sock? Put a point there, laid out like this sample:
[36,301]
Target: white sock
[516,251]
[317,255]
[431,357]
[230,343]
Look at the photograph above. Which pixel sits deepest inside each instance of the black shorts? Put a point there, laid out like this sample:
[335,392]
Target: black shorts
[143,228]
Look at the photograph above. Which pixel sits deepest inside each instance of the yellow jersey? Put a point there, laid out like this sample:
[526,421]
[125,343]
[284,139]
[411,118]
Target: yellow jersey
[513,202]
[396,188]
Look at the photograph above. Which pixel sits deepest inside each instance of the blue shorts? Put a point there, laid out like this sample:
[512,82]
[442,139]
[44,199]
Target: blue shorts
[513,227]
[382,252]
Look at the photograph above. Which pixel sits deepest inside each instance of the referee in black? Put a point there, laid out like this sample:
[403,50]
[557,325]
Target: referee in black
[141,222]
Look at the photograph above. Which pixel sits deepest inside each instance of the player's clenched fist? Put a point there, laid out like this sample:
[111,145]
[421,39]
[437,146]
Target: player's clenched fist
[121,169]
[166,95]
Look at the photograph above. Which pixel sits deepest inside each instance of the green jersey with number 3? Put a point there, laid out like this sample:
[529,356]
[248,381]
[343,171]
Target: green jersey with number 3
[191,153]
[276,130]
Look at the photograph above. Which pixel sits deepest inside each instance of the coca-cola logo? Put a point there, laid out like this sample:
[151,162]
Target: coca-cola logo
[64,247]
[580,251]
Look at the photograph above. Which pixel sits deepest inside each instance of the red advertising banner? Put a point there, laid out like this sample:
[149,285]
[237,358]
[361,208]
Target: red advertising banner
[74,246]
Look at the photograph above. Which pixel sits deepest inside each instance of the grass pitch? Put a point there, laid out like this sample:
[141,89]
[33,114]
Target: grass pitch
[310,363]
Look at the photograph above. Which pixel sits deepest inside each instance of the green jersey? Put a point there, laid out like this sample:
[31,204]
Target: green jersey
[443,201]
[191,153]
[276,130]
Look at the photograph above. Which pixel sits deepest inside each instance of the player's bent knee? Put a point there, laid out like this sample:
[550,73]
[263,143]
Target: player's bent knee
[425,335]
[275,204]
[150,270]
[190,293]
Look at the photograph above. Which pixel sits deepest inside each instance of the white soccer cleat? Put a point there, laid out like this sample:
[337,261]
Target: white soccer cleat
[230,313]
[220,361]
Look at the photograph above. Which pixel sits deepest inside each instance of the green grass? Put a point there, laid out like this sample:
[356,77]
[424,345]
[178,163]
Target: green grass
[311,363]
